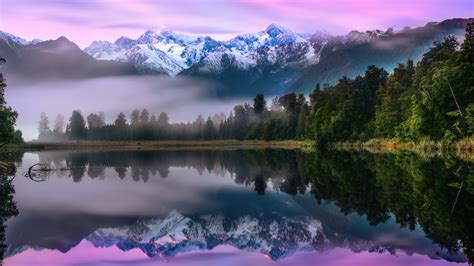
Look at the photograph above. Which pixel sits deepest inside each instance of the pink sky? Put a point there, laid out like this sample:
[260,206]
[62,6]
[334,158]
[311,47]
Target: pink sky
[86,254]
[83,21]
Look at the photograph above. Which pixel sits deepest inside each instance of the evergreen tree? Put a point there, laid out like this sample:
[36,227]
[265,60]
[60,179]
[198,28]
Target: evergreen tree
[17,138]
[95,121]
[7,115]
[163,120]
[164,126]
[313,96]
[135,118]
[302,117]
[153,120]
[288,102]
[59,124]
[259,104]
[240,122]
[199,126]
[121,121]
[43,127]
[144,117]
[209,130]
[77,126]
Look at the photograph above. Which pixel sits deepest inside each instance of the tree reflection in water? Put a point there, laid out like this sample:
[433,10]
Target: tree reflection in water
[7,206]
[414,190]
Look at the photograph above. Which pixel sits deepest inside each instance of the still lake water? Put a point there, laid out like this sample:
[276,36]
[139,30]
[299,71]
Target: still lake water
[235,207]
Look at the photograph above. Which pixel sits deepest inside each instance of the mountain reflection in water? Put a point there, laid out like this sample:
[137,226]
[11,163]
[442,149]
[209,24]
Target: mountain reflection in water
[282,204]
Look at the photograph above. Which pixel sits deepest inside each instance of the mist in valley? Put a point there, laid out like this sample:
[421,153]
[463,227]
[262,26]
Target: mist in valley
[182,98]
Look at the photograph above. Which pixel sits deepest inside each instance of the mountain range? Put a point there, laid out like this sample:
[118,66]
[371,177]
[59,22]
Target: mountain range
[272,61]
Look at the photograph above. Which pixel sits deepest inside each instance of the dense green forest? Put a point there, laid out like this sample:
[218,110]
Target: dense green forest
[433,99]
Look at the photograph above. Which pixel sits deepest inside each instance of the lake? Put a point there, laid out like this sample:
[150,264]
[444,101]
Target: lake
[235,207]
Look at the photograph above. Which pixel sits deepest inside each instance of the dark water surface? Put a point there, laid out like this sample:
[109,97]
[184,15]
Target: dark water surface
[235,207]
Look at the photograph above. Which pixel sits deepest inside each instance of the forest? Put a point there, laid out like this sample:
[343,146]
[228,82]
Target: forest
[432,99]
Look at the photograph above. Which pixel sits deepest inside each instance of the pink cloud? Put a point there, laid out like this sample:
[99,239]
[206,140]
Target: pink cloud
[85,21]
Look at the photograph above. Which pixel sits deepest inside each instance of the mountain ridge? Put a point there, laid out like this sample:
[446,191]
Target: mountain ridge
[272,61]
[386,50]
[277,59]
[54,59]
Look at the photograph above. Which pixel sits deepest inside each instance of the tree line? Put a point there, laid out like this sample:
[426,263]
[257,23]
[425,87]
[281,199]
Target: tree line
[433,99]
[281,121]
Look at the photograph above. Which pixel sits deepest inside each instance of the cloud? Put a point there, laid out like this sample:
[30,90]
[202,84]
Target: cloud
[205,29]
[70,20]
[127,25]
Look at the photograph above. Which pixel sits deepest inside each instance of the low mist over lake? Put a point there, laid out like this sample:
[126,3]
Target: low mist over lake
[182,98]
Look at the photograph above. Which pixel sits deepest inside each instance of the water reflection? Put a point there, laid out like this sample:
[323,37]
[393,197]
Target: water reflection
[7,209]
[275,202]
[8,206]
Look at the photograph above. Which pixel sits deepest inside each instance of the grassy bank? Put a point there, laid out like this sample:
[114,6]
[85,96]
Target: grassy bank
[170,144]
[463,148]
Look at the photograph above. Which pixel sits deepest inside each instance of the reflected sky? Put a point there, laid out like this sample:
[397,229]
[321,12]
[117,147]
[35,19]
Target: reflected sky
[86,254]
[208,207]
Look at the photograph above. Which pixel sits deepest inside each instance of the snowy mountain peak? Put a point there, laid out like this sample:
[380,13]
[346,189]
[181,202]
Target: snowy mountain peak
[149,37]
[36,41]
[274,30]
[63,39]
[168,36]
[124,42]
[12,39]
[170,53]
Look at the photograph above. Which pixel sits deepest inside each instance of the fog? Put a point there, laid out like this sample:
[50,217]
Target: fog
[182,98]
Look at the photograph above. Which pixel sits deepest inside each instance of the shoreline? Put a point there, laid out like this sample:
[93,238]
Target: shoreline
[463,149]
[169,145]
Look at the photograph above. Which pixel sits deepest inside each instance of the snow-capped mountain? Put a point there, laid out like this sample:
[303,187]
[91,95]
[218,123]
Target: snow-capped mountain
[163,52]
[174,234]
[276,59]
[171,53]
[272,61]
[15,40]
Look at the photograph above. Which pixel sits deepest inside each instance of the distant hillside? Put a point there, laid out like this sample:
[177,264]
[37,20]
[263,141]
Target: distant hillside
[54,59]
[351,54]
